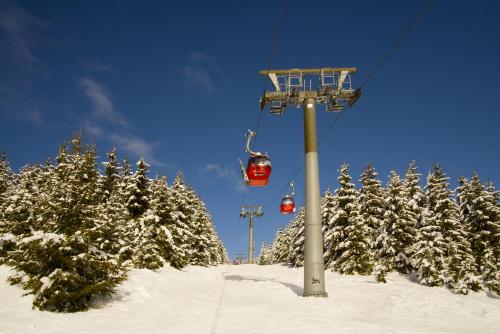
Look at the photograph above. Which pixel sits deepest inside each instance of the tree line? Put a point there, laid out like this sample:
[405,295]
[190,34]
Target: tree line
[71,233]
[446,238]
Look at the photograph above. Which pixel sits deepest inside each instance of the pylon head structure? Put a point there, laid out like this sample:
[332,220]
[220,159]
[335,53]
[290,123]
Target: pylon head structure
[331,86]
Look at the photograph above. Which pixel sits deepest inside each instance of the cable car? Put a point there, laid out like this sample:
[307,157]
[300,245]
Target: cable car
[287,206]
[258,169]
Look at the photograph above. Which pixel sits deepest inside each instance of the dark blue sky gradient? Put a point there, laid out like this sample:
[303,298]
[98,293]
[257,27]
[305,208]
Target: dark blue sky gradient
[177,82]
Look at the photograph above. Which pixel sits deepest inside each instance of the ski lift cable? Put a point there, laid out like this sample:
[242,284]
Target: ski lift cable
[271,56]
[265,81]
[270,62]
[405,32]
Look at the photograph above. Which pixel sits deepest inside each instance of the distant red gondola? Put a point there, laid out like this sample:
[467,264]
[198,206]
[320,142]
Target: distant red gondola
[287,206]
[258,168]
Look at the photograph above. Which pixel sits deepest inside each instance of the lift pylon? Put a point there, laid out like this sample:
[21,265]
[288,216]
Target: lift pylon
[306,88]
[251,211]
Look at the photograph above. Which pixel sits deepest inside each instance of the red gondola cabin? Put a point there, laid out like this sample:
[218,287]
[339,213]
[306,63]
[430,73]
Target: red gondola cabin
[287,206]
[258,170]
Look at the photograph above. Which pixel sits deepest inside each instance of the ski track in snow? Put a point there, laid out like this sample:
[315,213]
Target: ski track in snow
[247,299]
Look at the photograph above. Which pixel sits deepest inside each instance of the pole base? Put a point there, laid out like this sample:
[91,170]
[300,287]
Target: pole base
[323,294]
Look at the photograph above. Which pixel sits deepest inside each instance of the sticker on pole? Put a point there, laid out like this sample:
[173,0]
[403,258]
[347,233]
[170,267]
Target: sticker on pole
[309,105]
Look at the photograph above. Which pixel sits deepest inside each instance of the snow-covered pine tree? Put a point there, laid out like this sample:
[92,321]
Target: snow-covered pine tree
[271,251]
[19,210]
[296,257]
[356,255]
[479,212]
[328,211]
[371,200]
[59,261]
[429,251]
[6,184]
[154,240]
[262,260]
[411,215]
[387,246]
[203,242]
[113,228]
[6,177]
[180,214]
[351,238]
[137,191]
[118,235]
[213,244]
[345,200]
[172,245]
[491,274]
[223,256]
[399,227]
[110,180]
[279,250]
[460,273]
[371,207]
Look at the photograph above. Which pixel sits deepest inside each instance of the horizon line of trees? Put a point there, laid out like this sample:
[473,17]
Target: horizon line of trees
[447,238]
[71,233]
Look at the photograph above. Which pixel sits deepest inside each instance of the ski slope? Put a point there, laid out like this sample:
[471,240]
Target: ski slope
[257,299]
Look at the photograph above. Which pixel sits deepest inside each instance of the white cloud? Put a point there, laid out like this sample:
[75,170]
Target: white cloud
[101,101]
[19,38]
[201,78]
[136,146]
[228,174]
[201,73]
[19,27]
[121,135]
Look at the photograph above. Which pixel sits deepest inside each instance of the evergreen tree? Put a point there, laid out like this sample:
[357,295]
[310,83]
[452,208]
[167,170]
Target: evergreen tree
[203,243]
[491,273]
[110,175]
[296,258]
[429,251]
[180,216]
[223,256]
[262,260]
[6,177]
[345,202]
[387,247]
[137,190]
[350,239]
[19,210]
[328,211]
[411,216]
[356,256]
[460,272]
[371,200]
[279,250]
[114,230]
[60,261]
[398,232]
[149,254]
[480,214]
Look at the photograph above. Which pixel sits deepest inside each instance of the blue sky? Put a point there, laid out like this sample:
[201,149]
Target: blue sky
[177,83]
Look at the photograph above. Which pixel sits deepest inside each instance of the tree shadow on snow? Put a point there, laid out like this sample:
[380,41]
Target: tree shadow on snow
[295,288]
[100,302]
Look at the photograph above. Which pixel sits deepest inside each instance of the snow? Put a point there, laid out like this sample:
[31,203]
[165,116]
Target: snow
[46,237]
[247,299]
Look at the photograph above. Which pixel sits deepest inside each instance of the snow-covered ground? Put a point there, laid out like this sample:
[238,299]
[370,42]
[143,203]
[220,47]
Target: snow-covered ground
[258,299]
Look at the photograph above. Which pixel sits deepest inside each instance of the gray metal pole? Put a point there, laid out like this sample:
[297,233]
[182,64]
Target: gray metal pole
[250,241]
[314,272]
